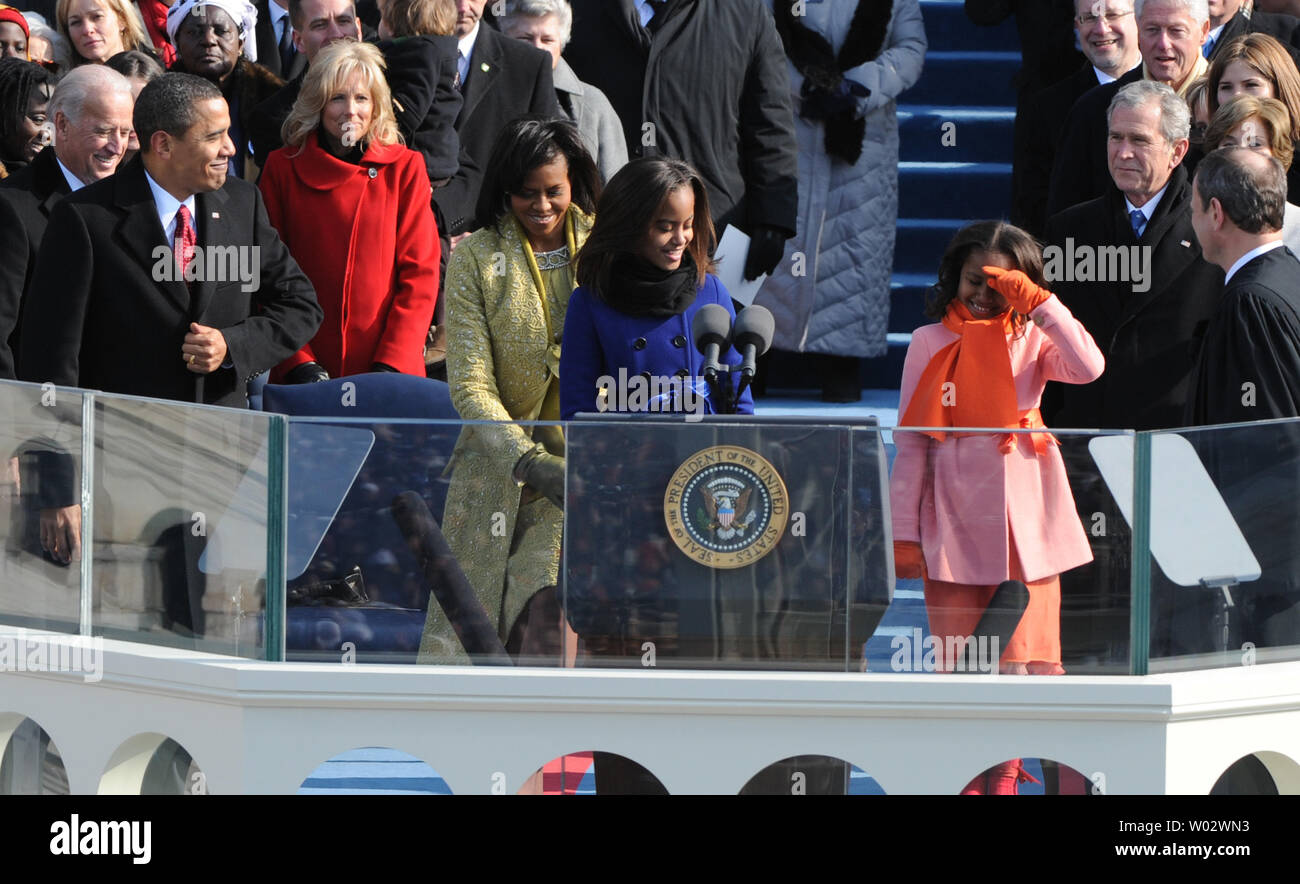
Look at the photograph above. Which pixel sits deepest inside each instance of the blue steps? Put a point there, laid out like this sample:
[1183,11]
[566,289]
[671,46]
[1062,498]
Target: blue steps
[977,134]
[947,28]
[968,77]
[966,190]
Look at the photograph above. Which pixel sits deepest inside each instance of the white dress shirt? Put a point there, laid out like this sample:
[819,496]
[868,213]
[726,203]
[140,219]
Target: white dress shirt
[646,11]
[1149,209]
[1251,256]
[1103,78]
[465,52]
[279,20]
[167,206]
[74,182]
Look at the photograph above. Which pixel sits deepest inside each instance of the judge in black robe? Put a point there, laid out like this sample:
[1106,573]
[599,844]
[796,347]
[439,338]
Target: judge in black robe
[1249,370]
[1249,366]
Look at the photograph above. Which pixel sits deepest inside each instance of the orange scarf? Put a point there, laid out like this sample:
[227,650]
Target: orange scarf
[969,382]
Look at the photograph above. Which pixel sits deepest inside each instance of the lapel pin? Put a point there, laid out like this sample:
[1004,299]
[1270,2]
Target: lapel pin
[216,215]
[1186,244]
[484,67]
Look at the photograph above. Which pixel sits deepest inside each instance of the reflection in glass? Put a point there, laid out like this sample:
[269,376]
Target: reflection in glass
[30,763]
[374,771]
[723,545]
[1029,776]
[812,775]
[1225,586]
[40,507]
[180,524]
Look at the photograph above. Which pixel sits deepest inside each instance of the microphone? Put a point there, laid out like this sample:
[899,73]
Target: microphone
[711,329]
[754,329]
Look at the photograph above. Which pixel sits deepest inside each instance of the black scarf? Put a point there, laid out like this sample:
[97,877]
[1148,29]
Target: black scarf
[638,288]
[823,70]
[354,155]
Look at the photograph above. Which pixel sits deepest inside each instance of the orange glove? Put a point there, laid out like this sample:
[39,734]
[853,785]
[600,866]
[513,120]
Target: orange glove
[909,564]
[1021,292]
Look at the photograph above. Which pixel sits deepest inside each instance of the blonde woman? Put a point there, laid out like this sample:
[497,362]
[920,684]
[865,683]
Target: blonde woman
[99,29]
[352,204]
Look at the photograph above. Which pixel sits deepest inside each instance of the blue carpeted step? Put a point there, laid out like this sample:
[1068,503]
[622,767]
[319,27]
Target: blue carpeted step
[966,78]
[886,373]
[920,242]
[907,295]
[955,134]
[954,190]
[947,27]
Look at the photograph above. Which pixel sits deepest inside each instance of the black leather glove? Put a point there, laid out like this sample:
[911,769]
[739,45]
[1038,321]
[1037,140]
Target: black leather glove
[820,103]
[766,247]
[384,367]
[544,472]
[307,373]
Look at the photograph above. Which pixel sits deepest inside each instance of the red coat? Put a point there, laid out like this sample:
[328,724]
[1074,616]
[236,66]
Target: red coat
[365,236]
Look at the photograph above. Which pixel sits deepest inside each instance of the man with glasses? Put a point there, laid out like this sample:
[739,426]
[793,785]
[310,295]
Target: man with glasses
[1107,34]
[1170,36]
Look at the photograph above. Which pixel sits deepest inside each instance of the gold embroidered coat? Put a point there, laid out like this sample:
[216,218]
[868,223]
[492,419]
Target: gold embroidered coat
[500,362]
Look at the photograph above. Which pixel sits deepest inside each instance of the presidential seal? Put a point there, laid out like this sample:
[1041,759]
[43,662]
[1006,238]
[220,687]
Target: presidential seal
[726,507]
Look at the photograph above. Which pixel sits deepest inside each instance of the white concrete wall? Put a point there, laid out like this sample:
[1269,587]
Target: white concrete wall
[264,727]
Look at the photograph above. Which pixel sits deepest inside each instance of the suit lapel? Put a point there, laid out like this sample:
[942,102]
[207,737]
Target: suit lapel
[48,182]
[1165,235]
[213,230]
[1166,213]
[1235,26]
[484,67]
[52,200]
[625,18]
[141,232]
[1111,302]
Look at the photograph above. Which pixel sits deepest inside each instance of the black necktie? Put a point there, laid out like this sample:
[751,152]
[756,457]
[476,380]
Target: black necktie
[287,51]
[657,19]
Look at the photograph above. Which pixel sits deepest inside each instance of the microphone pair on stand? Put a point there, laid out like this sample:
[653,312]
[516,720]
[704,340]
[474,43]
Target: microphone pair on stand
[713,333]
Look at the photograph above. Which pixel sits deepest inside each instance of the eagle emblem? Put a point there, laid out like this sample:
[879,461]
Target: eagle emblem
[727,503]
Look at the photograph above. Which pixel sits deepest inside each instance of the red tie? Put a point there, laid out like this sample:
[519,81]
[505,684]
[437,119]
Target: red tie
[183,247]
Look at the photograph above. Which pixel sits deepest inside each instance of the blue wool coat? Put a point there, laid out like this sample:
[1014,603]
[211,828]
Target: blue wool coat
[599,340]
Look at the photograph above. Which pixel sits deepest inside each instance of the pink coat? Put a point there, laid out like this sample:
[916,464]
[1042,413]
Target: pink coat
[958,497]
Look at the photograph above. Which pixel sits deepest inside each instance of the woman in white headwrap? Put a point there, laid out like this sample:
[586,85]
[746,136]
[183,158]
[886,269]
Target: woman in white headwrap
[215,40]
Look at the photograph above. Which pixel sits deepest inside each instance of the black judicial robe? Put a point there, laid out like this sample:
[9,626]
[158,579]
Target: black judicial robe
[1249,364]
[1249,370]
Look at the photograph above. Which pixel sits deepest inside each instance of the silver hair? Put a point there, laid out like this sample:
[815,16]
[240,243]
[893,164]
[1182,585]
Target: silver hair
[1175,118]
[37,26]
[1092,4]
[80,84]
[1200,9]
[517,9]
